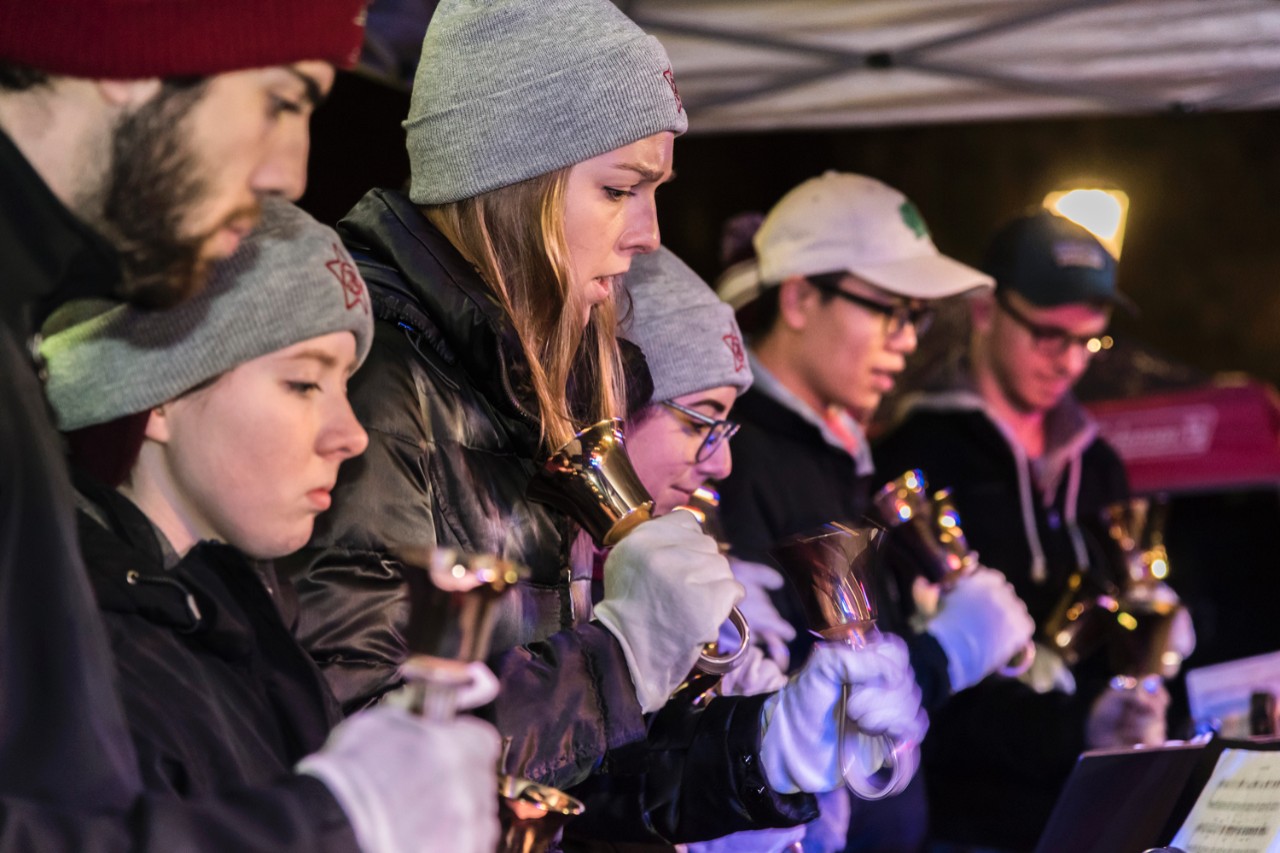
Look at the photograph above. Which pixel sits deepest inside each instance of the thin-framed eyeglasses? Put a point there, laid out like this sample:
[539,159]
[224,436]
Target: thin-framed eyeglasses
[718,431]
[1053,341]
[897,314]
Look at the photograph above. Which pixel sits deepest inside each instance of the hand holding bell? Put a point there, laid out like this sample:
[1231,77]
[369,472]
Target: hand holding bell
[591,479]
[933,529]
[831,570]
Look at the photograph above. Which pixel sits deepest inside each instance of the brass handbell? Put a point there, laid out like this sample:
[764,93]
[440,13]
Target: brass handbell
[1140,646]
[533,816]
[830,567]
[591,479]
[935,532]
[452,598]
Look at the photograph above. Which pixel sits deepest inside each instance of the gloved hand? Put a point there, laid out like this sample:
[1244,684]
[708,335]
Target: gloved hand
[767,625]
[382,765]
[829,831]
[1049,672]
[474,684]
[798,749]
[981,623]
[667,590]
[756,674]
[752,841]
[1128,717]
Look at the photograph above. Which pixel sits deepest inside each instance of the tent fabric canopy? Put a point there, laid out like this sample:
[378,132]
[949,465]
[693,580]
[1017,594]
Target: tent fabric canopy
[1213,438]
[746,65]
[768,64]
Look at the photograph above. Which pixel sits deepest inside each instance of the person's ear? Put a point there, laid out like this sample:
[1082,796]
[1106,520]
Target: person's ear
[982,311]
[158,426]
[128,94]
[796,301]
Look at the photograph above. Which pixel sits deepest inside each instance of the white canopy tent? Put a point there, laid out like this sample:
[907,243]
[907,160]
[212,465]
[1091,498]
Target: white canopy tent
[774,64]
[790,64]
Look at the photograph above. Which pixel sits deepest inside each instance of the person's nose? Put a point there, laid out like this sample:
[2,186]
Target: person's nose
[642,235]
[1075,360]
[283,168]
[344,437]
[718,465]
[904,341]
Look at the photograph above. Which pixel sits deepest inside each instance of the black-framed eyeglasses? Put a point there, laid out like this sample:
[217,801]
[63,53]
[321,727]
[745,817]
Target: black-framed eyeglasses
[897,314]
[718,432]
[1053,341]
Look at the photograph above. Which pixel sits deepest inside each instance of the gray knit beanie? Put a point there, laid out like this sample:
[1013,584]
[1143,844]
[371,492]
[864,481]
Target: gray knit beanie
[290,280]
[688,336]
[507,90]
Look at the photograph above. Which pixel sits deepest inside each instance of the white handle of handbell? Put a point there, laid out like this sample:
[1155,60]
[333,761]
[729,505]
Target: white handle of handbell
[899,758]
[1021,662]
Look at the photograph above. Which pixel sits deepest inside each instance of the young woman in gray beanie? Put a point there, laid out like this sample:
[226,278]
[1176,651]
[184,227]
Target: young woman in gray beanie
[219,427]
[680,441]
[538,134]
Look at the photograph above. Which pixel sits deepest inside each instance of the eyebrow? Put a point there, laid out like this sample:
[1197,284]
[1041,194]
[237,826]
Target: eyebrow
[314,95]
[717,408]
[324,358]
[651,175]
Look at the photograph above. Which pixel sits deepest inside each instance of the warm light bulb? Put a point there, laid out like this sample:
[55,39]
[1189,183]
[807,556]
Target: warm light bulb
[1101,212]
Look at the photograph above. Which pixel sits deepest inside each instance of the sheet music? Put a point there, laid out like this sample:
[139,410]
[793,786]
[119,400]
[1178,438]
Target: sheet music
[1239,809]
[1220,693]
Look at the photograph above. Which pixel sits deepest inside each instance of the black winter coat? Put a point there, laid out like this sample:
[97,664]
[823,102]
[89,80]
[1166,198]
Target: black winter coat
[69,779]
[62,734]
[221,700]
[787,479]
[453,445]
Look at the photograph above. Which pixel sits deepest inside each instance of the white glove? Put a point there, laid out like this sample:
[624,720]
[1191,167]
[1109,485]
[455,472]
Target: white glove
[798,749]
[473,684]
[1049,672]
[767,625]
[981,623]
[667,590]
[829,831]
[752,841]
[382,765]
[1128,717]
[756,674]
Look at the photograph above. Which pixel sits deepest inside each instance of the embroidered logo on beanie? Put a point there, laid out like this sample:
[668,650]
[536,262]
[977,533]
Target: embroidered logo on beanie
[734,343]
[670,77]
[353,292]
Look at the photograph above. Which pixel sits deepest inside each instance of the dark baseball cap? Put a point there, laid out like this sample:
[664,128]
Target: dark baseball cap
[1051,261]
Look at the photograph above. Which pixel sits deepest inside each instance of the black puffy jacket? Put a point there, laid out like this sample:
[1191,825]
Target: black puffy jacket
[452,447]
[220,699]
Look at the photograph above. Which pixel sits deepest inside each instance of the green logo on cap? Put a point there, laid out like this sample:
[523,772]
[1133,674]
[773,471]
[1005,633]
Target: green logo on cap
[913,220]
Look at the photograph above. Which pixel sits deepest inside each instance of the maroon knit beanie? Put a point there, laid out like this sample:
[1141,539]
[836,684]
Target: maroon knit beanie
[135,39]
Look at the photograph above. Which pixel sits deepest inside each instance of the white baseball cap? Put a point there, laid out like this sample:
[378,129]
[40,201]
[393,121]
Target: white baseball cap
[839,222]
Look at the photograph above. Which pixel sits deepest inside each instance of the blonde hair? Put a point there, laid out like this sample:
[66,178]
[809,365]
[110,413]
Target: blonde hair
[515,237]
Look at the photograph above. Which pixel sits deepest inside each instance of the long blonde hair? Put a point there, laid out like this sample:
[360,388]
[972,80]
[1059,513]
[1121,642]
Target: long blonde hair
[515,237]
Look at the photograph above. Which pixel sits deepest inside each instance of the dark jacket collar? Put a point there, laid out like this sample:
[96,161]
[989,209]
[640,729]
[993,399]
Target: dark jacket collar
[407,261]
[199,596]
[757,408]
[49,255]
